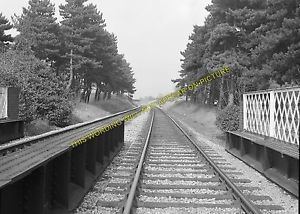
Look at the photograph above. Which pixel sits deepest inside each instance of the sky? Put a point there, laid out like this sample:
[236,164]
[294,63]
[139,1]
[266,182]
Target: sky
[151,34]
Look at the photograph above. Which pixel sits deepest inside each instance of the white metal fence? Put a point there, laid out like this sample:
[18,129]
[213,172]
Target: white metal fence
[3,103]
[273,113]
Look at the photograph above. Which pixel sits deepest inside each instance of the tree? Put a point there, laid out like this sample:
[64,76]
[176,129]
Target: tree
[228,38]
[80,25]
[277,54]
[105,50]
[39,31]
[232,40]
[4,39]
[193,66]
[42,95]
[123,77]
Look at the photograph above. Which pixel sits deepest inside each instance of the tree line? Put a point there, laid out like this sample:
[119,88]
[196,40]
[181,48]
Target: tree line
[52,61]
[259,40]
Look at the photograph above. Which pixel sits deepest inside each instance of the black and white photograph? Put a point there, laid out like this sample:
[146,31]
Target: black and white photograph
[149,106]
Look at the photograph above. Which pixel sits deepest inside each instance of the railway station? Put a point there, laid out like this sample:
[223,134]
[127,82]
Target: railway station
[149,107]
[49,175]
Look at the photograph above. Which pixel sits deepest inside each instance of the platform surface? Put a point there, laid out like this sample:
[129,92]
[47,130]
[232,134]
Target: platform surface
[17,164]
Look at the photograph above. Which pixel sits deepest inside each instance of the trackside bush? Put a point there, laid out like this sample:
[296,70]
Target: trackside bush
[43,95]
[228,118]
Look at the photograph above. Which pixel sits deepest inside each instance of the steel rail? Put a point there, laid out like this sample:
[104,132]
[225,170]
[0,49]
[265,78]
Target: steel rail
[55,133]
[131,195]
[246,205]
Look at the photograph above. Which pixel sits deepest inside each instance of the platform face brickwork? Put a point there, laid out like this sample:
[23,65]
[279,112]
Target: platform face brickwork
[273,113]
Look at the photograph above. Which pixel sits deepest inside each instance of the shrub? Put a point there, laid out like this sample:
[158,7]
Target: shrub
[37,127]
[228,118]
[42,95]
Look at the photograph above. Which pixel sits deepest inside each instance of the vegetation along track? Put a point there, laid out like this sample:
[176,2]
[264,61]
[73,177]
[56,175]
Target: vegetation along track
[170,173]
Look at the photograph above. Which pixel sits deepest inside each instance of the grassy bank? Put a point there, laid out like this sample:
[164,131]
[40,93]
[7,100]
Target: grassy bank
[84,112]
[201,118]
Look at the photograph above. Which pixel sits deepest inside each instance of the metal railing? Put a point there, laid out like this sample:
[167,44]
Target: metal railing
[273,113]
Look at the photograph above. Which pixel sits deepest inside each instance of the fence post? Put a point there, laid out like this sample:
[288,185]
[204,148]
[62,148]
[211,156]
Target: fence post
[3,103]
[272,114]
[244,112]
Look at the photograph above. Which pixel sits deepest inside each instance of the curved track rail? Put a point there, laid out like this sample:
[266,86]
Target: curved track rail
[239,198]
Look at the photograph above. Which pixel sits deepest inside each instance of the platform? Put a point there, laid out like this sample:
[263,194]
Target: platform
[277,160]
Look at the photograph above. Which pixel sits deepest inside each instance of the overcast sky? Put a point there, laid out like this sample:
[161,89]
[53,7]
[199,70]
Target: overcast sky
[151,34]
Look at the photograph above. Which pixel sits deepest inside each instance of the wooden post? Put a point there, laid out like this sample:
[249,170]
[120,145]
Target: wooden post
[3,103]
[272,114]
[78,159]
[244,112]
[242,146]
[62,168]
[100,149]
[91,153]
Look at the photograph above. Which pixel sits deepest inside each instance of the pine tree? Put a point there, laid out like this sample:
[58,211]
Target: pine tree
[80,26]
[193,66]
[277,55]
[93,52]
[226,39]
[105,50]
[39,31]
[4,39]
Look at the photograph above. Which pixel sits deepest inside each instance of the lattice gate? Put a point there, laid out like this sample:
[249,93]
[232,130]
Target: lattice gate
[273,113]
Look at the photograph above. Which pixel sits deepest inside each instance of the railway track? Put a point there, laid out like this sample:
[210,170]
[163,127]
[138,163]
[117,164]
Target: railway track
[170,173]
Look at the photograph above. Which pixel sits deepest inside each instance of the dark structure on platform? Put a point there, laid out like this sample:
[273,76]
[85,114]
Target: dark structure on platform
[11,127]
[268,139]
